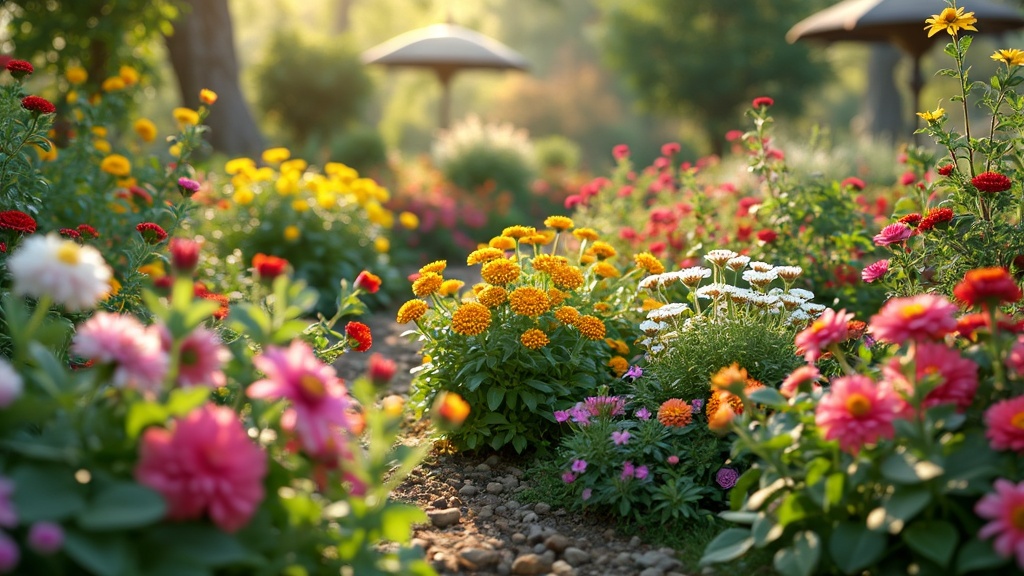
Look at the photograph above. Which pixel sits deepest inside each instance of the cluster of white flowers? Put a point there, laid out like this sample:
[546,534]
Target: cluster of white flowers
[472,133]
[69,274]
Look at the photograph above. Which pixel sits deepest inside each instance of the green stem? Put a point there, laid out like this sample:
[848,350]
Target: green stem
[17,150]
[963,93]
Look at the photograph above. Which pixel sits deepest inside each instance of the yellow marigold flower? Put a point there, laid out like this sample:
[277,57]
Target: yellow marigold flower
[44,155]
[112,84]
[528,301]
[76,75]
[427,359]
[427,284]
[71,98]
[951,20]
[127,182]
[382,244]
[556,296]
[648,262]
[585,234]
[99,131]
[548,262]
[341,171]
[567,277]
[534,338]
[292,233]
[730,378]
[491,296]
[519,231]
[500,272]
[1011,57]
[606,270]
[483,255]
[559,223]
[587,258]
[300,205]
[471,319]
[591,327]
[153,269]
[294,165]
[185,117]
[239,165]
[243,196]
[675,413]
[264,174]
[115,287]
[451,287]
[116,165]
[207,96]
[567,315]
[408,220]
[542,238]
[101,145]
[618,346]
[276,155]
[326,200]
[287,184]
[129,75]
[437,267]
[411,310]
[619,365]
[502,243]
[145,128]
[392,405]
[450,409]
[175,150]
[933,116]
[718,398]
[603,250]
[602,307]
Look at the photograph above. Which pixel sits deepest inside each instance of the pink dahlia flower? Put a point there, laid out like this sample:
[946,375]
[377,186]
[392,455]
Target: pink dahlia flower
[956,376]
[893,234]
[857,411]
[922,317]
[804,375]
[1015,360]
[1005,422]
[135,350]
[204,463]
[1004,509]
[318,397]
[199,359]
[828,329]
[874,271]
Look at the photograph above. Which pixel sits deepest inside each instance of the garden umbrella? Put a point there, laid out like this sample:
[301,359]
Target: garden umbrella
[446,49]
[900,22]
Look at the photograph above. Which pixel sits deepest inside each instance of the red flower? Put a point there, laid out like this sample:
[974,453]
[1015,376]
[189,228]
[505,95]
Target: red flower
[70,233]
[361,334]
[19,68]
[987,287]
[670,149]
[184,254]
[991,182]
[17,221]
[38,105]
[3,247]
[908,178]
[621,151]
[151,233]
[762,101]
[912,219]
[945,169]
[382,370]
[141,193]
[733,135]
[88,231]
[367,281]
[269,267]
[934,217]
[852,182]
[200,290]
[767,236]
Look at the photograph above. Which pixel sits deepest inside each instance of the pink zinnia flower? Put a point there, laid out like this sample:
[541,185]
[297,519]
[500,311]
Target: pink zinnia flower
[204,463]
[856,411]
[135,350]
[620,151]
[957,377]
[628,470]
[641,472]
[921,317]
[828,329]
[620,437]
[852,182]
[45,537]
[1005,510]
[874,271]
[200,357]
[318,397]
[1005,422]
[1015,360]
[893,234]
[804,375]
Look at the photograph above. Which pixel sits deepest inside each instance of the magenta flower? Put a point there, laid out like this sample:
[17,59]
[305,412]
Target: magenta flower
[672,460]
[620,437]
[628,470]
[1005,510]
[641,472]
[643,414]
[893,234]
[587,492]
[187,186]
[200,358]
[204,463]
[568,477]
[805,375]
[135,350]
[1005,422]
[697,404]
[726,477]
[605,405]
[46,537]
[828,329]
[561,416]
[922,317]
[319,401]
[1015,360]
[856,411]
[874,271]
[955,378]
[579,414]
[634,372]
[9,553]
[579,466]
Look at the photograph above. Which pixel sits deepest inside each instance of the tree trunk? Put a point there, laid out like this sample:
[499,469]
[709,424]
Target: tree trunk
[342,18]
[882,115]
[202,51]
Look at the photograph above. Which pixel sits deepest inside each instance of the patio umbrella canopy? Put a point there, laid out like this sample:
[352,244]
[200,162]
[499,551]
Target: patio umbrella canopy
[900,22]
[446,49]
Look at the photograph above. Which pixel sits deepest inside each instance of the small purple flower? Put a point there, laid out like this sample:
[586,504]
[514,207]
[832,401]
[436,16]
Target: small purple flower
[726,477]
[187,186]
[9,553]
[579,466]
[643,414]
[568,477]
[641,472]
[579,414]
[697,404]
[634,372]
[620,437]
[672,460]
[46,537]
[605,405]
[586,494]
[561,416]
[628,471]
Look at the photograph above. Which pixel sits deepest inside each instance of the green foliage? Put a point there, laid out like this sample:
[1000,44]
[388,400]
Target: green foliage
[556,153]
[313,88]
[360,147]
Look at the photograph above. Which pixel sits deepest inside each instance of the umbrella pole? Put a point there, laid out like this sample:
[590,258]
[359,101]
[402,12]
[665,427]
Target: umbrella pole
[916,84]
[445,106]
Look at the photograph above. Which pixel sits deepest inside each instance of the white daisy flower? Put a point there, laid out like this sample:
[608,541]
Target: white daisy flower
[801,293]
[715,290]
[789,273]
[651,327]
[667,311]
[693,275]
[720,257]
[758,266]
[738,263]
[74,276]
[813,309]
[759,279]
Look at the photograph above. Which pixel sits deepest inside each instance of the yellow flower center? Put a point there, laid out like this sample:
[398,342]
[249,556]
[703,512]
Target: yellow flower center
[818,326]
[1018,421]
[312,387]
[912,310]
[1017,517]
[858,404]
[68,252]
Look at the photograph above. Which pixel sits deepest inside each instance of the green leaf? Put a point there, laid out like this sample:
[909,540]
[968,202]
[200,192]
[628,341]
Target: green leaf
[903,468]
[102,555]
[834,490]
[978,555]
[802,558]
[744,483]
[184,400]
[120,506]
[397,521]
[729,545]
[768,397]
[904,503]
[765,530]
[144,414]
[201,544]
[764,495]
[853,547]
[936,540]
[795,506]
[200,311]
[46,493]
[495,395]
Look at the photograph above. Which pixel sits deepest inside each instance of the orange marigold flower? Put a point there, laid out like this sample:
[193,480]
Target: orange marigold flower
[586,234]
[603,250]
[547,262]
[720,421]
[534,338]
[559,223]
[484,255]
[427,284]
[519,231]
[719,398]
[538,239]
[675,413]
[619,365]
[602,307]
[651,304]
[502,243]
[450,287]
[411,310]
[471,319]
[492,296]
[649,262]
[606,270]
[500,272]
[436,267]
[207,96]
[528,301]
[567,315]
[591,327]
[567,277]
[556,296]
[730,378]
[451,409]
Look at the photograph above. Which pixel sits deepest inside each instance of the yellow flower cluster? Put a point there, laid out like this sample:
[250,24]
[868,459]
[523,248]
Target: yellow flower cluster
[484,255]
[435,267]
[618,346]
[492,296]
[410,311]
[591,327]
[450,287]
[567,315]
[518,232]
[528,301]
[470,319]
[427,284]
[606,270]
[547,262]
[559,223]
[602,250]
[567,277]
[502,243]
[586,234]
[534,338]
[556,296]
[500,272]
[649,263]
[619,365]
